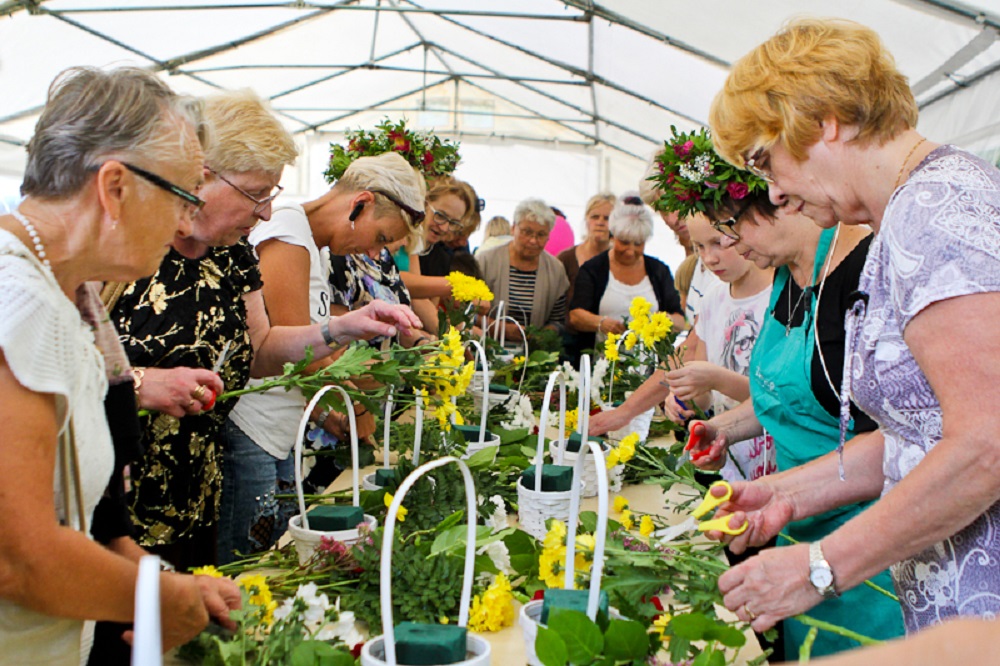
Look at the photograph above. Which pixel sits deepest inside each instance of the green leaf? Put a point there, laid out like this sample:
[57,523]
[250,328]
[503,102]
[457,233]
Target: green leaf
[582,636]
[511,436]
[588,521]
[625,640]
[482,459]
[692,626]
[451,520]
[727,635]
[551,648]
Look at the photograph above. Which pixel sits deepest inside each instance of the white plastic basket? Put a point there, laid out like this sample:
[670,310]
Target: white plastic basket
[535,506]
[368,482]
[307,540]
[381,650]
[589,475]
[639,425]
[483,442]
[531,612]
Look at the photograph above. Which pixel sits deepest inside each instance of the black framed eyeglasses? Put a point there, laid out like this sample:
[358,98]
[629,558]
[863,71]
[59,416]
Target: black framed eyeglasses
[164,184]
[259,204]
[442,217]
[416,216]
[752,164]
[727,227]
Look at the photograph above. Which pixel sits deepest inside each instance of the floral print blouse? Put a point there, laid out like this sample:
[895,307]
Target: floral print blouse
[184,315]
[356,280]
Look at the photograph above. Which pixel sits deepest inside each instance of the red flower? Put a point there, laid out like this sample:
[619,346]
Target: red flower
[737,190]
[356,650]
[683,149]
[428,159]
[661,167]
[399,141]
[539,594]
[353,146]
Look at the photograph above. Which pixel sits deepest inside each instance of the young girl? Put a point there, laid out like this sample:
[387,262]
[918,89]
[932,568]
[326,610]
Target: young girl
[726,328]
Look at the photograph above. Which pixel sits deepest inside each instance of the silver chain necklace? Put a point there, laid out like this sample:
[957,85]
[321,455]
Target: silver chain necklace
[798,303]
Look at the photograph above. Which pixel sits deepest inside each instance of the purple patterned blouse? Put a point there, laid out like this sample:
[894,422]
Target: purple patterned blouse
[940,239]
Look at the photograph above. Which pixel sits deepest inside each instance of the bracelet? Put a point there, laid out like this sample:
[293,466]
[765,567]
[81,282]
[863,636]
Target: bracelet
[600,323]
[328,338]
[137,375]
[323,416]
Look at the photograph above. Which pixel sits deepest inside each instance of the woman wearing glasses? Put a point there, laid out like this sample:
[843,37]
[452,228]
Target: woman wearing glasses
[530,281]
[94,209]
[376,202]
[204,309]
[823,111]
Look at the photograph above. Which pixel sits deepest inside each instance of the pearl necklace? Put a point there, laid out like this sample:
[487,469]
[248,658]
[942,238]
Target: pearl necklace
[33,233]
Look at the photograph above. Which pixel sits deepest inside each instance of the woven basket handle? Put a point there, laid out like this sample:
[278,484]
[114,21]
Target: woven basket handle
[602,527]
[303,423]
[543,423]
[388,633]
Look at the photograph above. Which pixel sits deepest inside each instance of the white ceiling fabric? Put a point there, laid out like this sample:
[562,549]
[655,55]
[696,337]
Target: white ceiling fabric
[601,79]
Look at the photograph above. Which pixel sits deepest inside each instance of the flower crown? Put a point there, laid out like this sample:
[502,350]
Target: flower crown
[692,177]
[427,153]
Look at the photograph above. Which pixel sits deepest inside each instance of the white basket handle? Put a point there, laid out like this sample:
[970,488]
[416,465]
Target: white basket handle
[147,645]
[524,339]
[583,398]
[481,354]
[418,434]
[386,426]
[597,568]
[498,330]
[388,632]
[303,423]
[543,423]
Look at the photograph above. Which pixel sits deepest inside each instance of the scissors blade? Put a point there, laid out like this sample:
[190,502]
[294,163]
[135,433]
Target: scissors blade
[222,357]
[670,533]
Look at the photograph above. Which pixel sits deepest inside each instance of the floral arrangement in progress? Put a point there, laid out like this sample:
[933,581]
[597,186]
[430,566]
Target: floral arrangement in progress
[429,154]
[690,175]
[647,343]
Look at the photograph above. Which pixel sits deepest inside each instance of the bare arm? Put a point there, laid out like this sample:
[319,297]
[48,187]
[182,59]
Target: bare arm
[49,568]
[955,642]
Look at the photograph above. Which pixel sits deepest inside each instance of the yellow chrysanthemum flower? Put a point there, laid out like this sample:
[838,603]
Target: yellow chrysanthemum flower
[518,360]
[630,340]
[586,543]
[494,609]
[626,448]
[550,566]
[611,347]
[401,514]
[659,626]
[620,504]
[466,288]
[639,308]
[646,526]
[260,596]
[207,570]
[571,422]
[556,536]
[612,459]
[626,520]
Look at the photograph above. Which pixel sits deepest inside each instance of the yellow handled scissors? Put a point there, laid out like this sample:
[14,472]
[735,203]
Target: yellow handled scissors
[709,503]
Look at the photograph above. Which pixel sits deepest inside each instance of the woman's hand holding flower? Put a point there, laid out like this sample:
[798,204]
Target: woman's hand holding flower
[693,379]
[376,318]
[178,391]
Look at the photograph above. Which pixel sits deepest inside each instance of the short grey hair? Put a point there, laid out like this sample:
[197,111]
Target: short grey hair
[92,115]
[389,173]
[630,219]
[535,210]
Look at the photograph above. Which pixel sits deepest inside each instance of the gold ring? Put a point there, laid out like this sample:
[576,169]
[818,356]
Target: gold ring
[199,392]
[746,609]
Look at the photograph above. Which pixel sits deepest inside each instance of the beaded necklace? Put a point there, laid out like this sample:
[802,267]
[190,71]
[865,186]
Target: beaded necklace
[33,234]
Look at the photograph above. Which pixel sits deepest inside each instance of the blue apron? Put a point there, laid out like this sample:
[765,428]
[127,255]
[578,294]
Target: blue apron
[783,400]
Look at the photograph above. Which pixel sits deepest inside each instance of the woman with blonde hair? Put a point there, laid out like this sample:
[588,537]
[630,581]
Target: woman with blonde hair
[204,308]
[822,113]
[596,238]
[299,289]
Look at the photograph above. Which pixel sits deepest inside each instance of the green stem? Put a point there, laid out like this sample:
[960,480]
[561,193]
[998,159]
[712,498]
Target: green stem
[805,650]
[838,630]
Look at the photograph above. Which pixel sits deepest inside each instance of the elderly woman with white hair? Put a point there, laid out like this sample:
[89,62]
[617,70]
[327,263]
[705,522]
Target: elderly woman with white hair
[606,284]
[531,282]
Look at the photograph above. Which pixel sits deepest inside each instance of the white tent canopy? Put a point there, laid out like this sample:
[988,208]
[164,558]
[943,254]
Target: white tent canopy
[549,98]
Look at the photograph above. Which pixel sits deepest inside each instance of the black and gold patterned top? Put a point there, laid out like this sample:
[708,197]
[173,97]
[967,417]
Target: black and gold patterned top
[183,316]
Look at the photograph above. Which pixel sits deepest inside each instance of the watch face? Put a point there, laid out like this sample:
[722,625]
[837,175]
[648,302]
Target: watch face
[821,578]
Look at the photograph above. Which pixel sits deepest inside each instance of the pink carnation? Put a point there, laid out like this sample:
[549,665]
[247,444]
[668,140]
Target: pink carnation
[684,149]
[737,190]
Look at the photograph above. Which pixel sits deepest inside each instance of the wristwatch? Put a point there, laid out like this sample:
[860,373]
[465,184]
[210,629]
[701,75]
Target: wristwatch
[820,573]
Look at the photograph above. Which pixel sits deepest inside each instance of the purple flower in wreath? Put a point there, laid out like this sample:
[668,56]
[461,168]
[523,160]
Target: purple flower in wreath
[737,190]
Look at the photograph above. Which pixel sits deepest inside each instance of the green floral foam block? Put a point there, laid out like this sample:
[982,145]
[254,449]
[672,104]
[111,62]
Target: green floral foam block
[383,476]
[429,644]
[572,600]
[330,518]
[471,433]
[576,441]
[555,478]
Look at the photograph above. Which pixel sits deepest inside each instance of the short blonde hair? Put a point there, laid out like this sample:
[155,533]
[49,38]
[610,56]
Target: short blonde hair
[389,173]
[246,136]
[598,199]
[810,70]
[685,274]
[497,226]
[648,191]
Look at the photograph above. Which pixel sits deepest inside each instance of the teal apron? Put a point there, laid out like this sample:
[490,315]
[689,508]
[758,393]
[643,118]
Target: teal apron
[783,400]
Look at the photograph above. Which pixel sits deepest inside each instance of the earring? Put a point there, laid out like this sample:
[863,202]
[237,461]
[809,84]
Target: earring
[352,224]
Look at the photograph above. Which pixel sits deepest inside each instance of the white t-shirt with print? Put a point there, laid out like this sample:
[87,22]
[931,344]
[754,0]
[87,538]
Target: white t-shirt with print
[271,419]
[729,327]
